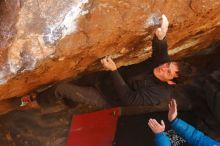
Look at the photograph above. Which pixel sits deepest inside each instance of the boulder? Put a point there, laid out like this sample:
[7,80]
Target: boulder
[44,41]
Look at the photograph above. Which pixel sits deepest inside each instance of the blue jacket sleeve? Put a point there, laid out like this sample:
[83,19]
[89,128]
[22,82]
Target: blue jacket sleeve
[161,139]
[191,135]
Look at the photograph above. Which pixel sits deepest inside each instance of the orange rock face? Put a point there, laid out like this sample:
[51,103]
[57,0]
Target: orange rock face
[46,41]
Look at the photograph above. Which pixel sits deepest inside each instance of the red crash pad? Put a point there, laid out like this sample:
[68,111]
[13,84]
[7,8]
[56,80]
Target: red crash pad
[94,129]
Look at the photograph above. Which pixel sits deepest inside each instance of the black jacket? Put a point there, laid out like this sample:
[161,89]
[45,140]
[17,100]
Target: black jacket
[144,88]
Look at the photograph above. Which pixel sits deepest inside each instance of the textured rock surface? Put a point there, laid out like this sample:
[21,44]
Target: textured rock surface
[43,41]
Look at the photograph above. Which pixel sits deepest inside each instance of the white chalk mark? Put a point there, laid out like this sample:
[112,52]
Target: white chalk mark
[67,25]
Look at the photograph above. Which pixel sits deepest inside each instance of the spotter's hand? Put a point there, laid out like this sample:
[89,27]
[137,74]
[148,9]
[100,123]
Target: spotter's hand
[155,126]
[172,114]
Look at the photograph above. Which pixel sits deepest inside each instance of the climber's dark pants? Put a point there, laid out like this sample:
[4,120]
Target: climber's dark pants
[80,94]
[83,93]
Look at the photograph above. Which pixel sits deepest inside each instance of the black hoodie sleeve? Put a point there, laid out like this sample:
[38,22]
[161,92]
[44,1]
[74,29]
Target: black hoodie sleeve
[159,51]
[143,96]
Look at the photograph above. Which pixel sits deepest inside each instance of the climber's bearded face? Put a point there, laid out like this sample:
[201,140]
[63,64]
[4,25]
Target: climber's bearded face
[167,71]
